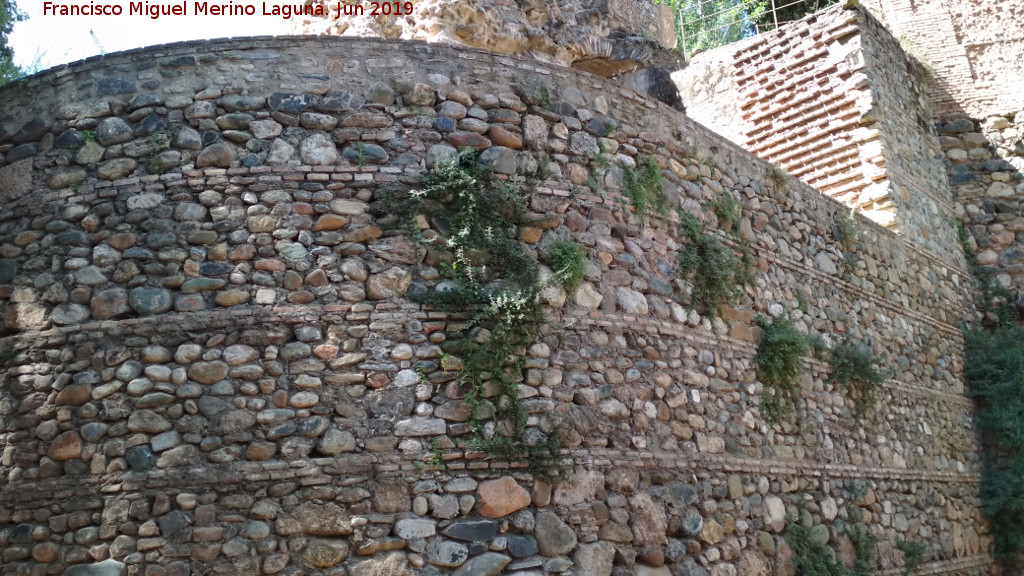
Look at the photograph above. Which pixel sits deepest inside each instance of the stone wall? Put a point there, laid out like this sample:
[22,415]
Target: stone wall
[969,48]
[986,170]
[211,368]
[832,100]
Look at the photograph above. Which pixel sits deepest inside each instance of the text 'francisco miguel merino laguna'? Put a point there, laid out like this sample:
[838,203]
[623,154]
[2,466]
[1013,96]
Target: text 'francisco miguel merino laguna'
[285,11]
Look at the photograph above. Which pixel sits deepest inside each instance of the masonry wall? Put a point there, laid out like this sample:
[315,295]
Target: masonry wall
[986,170]
[833,100]
[973,49]
[212,367]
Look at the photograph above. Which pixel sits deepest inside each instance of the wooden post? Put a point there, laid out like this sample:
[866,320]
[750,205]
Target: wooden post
[775,16]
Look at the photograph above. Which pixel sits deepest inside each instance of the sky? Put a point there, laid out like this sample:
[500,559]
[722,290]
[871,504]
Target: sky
[45,41]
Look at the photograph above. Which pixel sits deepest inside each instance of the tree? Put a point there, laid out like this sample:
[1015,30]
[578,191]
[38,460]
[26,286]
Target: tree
[709,24]
[9,14]
[788,11]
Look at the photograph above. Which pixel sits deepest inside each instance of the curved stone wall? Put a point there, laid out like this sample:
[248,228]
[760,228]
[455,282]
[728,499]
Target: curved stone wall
[210,367]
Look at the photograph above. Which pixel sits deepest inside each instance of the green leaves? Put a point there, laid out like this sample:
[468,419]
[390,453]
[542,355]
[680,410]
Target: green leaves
[569,262]
[9,14]
[717,273]
[856,371]
[994,371]
[779,361]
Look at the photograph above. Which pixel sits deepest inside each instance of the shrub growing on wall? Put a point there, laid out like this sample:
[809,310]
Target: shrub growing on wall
[994,370]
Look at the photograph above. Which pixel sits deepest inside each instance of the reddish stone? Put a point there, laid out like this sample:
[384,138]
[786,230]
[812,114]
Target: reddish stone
[471,139]
[329,222]
[292,280]
[653,557]
[325,351]
[74,395]
[502,497]
[317,278]
[363,234]
[302,209]
[260,451]
[377,381]
[504,137]
[270,265]
[122,241]
[575,222]
[300,297]
[67,446]
[243,252]
[189,303]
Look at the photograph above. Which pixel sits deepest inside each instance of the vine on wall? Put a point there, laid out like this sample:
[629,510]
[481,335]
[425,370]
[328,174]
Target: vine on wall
[487,274]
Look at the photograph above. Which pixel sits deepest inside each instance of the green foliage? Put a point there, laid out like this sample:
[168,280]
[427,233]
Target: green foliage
[717,273]
[492,278]
[643,186]
[996,303]
[790,11]
[569,261]
[994,371]
[864,544]
[856,372]
[964,237]
[913,554]
[802,303]
[9,14]
[436,453]
[994,299]
[779,361]
[846,232]
[728,210]
[809,557]
[708,24]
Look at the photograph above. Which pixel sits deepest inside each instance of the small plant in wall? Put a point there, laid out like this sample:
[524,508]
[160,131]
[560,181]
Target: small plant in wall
[643,187]
[728,210]
[718,274]
[490,278]
[779,361]
[913,555]
[569,262]
[846,232]
[855,370]
[811,557]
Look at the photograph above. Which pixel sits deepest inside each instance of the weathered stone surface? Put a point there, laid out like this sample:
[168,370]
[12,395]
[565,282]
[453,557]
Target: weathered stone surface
[109,567]
[70,313]
[650,523]
[325,553]
[336,442]
[415,528]
[554,537]
[208,372]
[147,301]
[595,559]
[502,497]
[321,520]
[447,553]
[109,303]
[65,446]
[113,131]
[774,513]
[472,530]
[318,150]
[389,284]
[486,564]
[220,155]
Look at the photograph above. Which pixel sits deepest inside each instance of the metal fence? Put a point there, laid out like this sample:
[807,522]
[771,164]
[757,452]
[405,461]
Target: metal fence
[707,24]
